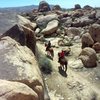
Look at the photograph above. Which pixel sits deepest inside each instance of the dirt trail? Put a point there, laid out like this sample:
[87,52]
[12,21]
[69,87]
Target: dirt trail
[72,85]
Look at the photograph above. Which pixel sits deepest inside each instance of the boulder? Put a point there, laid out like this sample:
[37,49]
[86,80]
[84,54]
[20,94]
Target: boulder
[73,31]
[82,21]
[87,7]
[77,6]
[92,15]
[88,57]
[56,7]
[77,13]
[23,35]
[87,40]
[43,20]
[18,63]
[51,28]
[96,47]
[94,31]
[23,21]
[16,91]
[43,6]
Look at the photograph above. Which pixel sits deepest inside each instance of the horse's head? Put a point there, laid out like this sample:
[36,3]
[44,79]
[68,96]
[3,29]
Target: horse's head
[46,44]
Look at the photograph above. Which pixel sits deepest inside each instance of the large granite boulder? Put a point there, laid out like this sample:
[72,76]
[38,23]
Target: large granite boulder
[51,28]
[73,31]
[94,31]
[43,6]
[18,63]
[56,7]
[23,35]
[77,6]
[87,40]
[23,21]
[88,57]
[43,20]
[16,91]
[87,7]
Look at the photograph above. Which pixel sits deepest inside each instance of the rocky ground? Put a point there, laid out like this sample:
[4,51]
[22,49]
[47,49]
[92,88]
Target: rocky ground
[77,83]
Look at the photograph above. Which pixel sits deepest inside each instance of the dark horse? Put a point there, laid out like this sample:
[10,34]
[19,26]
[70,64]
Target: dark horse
[50,51]
[63,63]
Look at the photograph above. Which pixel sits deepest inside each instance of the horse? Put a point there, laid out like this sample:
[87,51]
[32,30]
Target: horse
[50,51]
[63,62]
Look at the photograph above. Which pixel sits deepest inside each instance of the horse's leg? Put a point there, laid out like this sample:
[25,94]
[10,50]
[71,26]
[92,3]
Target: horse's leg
[65,66]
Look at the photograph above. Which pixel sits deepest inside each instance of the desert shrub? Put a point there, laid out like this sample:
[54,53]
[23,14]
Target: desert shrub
[45,65]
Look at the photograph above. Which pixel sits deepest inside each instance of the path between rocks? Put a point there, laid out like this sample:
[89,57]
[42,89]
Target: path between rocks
[72,85]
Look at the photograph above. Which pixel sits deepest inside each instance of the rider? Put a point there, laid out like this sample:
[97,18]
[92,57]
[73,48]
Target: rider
[62,55]
[48,46]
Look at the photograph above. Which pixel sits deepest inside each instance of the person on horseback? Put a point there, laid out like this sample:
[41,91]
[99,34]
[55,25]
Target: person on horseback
[48,46]
[62,60]
[61,55]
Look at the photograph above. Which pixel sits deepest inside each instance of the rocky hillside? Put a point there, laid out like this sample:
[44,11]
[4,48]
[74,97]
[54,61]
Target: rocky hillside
[27,73]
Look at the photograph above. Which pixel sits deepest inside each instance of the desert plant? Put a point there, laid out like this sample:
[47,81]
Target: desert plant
[45,65]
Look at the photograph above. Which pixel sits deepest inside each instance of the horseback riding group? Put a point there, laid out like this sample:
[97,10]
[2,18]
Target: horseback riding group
[61,56]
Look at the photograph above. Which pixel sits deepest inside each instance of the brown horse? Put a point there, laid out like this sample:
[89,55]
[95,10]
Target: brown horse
[50,51]
[63,62]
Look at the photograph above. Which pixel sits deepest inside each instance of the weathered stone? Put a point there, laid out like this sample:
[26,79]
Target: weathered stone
[51,28]
[23,35]
[87,7]
[56,7]
[77,13]
[26,22]
[96,47]
[43,20]
[43,6]
[94,31]
[92,15]
[77,6]
[18,63]
[88,57]
[16,91]
[73,31]
[87,40]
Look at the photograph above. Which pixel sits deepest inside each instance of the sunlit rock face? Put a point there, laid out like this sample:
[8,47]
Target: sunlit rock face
[87,40]
[88,57]
[18,63]
[16,91]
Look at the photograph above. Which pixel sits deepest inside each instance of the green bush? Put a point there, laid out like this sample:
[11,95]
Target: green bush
[45,65]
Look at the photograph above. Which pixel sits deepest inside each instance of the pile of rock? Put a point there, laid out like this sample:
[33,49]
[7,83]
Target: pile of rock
[20,76]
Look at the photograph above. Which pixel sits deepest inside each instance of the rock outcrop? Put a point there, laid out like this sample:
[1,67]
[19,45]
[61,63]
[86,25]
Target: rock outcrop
[23,35]
[77,6]
[56,7]
[51,28]
[43,20]
[18,63]
[16,91]
[43,6]
[23,21]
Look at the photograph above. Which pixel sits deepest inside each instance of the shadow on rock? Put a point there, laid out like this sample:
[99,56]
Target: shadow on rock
[62,72]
